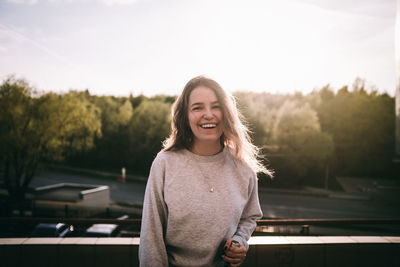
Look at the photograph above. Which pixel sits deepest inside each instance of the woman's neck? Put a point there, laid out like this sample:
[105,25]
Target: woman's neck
[206,148]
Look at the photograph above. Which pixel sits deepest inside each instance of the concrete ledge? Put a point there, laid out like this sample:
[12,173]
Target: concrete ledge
[264,251]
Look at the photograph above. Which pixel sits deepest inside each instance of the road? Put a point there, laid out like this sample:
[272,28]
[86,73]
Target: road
[273,203]
[119,192]
[300,206]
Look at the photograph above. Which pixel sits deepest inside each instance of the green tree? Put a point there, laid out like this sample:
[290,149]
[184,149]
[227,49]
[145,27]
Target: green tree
[297,133]
[36,128]
[260,113]
[125,113]
[149,126]
[362,126]
[111,150]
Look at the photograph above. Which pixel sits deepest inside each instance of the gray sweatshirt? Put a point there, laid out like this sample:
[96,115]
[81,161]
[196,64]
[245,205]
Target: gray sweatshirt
[192,205]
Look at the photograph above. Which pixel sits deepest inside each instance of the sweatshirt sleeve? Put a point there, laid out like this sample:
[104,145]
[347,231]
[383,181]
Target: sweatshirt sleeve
[250,214]
[152,250]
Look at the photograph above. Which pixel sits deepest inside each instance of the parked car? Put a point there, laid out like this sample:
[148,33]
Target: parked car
[52,230]
[102,230]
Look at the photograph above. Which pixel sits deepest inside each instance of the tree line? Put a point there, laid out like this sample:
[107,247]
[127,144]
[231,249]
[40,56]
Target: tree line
[345,132]
[350,132]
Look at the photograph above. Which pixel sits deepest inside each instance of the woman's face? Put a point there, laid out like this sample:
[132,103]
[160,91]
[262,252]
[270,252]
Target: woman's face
[205,115]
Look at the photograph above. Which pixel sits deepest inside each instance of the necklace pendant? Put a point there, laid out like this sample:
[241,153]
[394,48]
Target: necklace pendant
[211,190]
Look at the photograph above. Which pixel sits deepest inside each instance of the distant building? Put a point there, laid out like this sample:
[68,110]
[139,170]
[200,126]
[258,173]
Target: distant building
[69,199]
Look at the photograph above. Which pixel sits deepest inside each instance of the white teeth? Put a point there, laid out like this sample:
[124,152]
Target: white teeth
[210,125]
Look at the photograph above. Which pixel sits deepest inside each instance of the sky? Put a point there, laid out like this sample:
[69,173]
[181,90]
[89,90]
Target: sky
[123,47]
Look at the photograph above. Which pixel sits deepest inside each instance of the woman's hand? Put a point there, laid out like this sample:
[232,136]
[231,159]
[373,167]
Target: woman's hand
[235,253]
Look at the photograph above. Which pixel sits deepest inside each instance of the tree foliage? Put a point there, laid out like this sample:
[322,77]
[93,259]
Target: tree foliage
[40,127]
[149,126]
[133,129]
[351,131]
[362,127]
[297,132]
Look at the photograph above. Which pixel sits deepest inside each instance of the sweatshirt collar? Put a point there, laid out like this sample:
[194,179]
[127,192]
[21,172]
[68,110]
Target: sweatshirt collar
[214,158]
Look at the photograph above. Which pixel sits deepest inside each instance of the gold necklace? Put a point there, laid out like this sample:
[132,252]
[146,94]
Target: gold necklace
[206,178]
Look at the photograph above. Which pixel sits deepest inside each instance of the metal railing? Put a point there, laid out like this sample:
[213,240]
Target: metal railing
[264,222]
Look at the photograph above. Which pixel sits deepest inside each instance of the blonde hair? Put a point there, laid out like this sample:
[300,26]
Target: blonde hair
[235,135]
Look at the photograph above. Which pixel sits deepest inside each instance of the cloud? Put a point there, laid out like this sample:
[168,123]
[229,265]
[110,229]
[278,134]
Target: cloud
[106,2]
[119,2]
[30,2]
[374,8]
[16,35]
[6,32]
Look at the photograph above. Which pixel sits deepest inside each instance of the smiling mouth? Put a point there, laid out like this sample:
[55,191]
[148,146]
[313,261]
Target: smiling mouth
[208,126]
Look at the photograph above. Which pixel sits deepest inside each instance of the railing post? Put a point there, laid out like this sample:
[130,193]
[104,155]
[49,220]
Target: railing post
[305,229]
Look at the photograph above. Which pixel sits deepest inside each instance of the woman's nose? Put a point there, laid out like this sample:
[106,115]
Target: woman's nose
[208,113]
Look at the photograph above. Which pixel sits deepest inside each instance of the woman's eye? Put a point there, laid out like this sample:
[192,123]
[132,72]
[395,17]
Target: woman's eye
[196,108]
[216,107]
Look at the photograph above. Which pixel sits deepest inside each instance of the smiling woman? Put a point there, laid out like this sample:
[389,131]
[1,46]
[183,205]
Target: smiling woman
[201,198]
